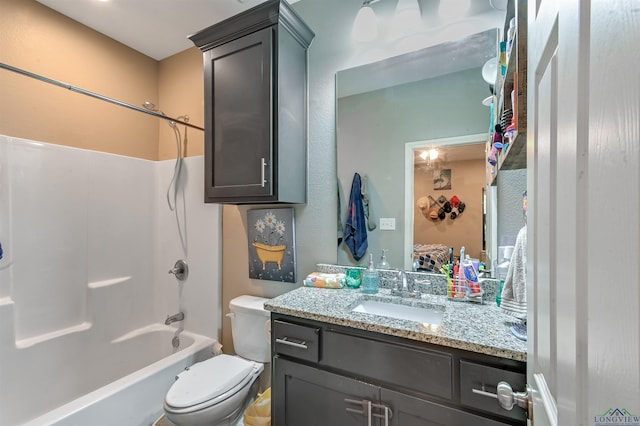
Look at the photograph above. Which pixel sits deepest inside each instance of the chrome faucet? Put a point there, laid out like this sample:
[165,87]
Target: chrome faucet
[173,318]
[180,270]
[404,287]
[402,281]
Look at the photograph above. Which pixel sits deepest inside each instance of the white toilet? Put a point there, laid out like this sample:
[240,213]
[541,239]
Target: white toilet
[217,391]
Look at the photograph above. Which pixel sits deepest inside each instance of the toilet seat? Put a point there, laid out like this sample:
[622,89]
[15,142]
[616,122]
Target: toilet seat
[209,382]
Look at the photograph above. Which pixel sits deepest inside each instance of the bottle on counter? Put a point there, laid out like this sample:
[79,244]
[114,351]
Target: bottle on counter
[370,278]
[461,290]
[470,273]
[383,264]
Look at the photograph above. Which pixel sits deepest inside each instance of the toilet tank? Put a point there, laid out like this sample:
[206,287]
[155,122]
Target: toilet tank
[250,324]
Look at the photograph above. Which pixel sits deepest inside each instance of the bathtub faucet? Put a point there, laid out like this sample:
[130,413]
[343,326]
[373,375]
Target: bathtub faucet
[173,318]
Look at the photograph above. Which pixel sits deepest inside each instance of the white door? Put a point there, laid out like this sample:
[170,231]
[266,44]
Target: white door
[583,363]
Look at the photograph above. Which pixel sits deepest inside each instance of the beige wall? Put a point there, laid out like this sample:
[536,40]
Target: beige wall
[40,40]
[235,266]
[181,92]
[467,182]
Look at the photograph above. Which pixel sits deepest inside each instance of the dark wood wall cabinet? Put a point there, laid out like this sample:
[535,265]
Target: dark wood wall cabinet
[255,82]
[324,374]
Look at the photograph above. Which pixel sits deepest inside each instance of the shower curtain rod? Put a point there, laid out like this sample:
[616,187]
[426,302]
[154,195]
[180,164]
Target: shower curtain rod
[95,95]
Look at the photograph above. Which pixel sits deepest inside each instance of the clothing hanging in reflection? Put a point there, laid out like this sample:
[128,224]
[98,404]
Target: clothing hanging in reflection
[355,229]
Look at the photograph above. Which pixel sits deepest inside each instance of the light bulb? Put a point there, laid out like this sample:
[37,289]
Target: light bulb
[407,17]
[365,26]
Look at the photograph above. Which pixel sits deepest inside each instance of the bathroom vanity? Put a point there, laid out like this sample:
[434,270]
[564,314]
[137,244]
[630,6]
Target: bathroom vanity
[332,365]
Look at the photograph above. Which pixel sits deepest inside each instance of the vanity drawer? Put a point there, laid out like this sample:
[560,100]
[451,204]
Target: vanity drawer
[420,370]
[485,378]
[295,340]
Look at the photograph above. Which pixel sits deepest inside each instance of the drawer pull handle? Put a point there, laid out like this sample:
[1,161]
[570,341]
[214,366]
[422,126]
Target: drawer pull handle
[362,403]
[263,164]
[388,414]
[366,408]
[286,341]
[507,398]
[484,393]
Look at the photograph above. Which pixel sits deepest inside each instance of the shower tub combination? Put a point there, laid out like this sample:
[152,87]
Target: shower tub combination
[121,382]
[84,289]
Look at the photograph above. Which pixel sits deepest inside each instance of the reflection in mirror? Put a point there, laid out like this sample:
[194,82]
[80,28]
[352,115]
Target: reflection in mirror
[444,201]
[383,106]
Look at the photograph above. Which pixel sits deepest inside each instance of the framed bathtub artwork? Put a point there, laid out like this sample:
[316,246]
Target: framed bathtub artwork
[272,244]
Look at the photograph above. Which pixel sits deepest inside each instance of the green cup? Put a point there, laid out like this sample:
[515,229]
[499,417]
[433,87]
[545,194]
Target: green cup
[353,277]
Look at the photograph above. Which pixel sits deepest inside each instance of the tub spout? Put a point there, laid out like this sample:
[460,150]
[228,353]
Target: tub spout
[173,318]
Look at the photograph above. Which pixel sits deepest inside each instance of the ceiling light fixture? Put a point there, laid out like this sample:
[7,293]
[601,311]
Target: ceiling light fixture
[431,153]
[407,16]
[365,26]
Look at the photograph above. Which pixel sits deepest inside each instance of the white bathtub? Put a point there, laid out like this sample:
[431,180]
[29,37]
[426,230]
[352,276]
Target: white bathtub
[135,371]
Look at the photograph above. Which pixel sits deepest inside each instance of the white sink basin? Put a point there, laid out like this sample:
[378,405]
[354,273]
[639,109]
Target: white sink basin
[425,315]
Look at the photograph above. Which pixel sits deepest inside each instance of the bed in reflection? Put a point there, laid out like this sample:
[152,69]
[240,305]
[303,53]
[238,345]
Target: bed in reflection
[430,257]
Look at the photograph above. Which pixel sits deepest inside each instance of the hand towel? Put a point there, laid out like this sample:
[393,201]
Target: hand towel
[514,292]
[355,230]
[371,221]
[317,279]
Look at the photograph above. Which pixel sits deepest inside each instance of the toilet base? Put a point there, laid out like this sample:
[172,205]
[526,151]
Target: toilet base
[231,416]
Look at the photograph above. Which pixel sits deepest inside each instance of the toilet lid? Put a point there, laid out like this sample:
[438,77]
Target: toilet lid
[208,379]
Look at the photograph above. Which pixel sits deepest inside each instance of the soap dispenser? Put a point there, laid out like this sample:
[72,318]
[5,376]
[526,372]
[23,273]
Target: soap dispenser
[383,264]
[370,278]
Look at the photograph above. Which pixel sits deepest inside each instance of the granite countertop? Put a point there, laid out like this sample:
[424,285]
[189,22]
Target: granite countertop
[474,327]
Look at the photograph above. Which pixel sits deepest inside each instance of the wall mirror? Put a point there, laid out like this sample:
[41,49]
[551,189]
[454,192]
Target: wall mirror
[387,114]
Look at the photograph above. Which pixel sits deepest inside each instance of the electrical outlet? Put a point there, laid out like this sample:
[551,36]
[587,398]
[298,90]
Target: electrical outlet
[387,223]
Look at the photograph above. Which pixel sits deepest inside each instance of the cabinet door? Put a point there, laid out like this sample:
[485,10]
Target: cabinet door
[238,117]
[411,411]
[307,396]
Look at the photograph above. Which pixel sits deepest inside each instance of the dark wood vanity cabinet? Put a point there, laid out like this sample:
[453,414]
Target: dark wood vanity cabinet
[255,82]
[324,374]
